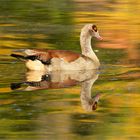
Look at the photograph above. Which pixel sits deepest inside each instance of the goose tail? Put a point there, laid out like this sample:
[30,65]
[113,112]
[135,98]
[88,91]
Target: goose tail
[19,56]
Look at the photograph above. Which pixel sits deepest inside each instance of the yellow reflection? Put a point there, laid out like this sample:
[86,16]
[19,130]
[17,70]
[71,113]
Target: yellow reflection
[13,43]
[118,26]
[7,24]
[5,89]
[14,36]
[7,101]
[39,36]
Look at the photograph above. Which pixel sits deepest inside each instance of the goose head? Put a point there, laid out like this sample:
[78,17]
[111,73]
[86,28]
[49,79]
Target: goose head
[92,30]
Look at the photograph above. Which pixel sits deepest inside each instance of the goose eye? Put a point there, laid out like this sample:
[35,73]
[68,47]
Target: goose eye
[94,27]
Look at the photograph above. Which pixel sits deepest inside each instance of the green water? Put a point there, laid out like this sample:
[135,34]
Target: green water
[58,113]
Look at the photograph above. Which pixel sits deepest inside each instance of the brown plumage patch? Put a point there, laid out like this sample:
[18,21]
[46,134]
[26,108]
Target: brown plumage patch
[68,56]
[45,55]
[94,27]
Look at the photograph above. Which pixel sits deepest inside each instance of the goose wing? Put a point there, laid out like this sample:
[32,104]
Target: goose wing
[34,54]
[46,55]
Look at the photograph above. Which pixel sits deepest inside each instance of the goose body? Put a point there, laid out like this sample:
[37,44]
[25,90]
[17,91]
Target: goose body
[66,61]
[53,60]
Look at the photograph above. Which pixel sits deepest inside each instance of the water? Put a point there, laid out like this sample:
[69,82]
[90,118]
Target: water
[54,110]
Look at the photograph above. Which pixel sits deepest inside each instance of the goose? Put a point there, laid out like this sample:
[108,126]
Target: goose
[53,60]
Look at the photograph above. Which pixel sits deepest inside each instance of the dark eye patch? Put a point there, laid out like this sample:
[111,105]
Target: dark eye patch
[94,27]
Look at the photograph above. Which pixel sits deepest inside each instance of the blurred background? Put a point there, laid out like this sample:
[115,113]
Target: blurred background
[57,113]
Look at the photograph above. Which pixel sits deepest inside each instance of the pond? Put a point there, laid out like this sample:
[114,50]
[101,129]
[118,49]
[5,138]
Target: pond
[53,106]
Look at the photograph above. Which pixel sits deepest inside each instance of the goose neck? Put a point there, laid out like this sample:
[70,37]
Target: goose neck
[85,42]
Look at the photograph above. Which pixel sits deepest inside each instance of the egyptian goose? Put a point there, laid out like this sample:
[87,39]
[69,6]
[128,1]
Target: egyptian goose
[52,60]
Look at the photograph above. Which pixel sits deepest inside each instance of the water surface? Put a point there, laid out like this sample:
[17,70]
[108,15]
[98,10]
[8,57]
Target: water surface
[59,113]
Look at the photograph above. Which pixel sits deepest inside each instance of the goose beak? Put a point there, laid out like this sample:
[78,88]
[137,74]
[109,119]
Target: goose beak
[96,34]
[100,38]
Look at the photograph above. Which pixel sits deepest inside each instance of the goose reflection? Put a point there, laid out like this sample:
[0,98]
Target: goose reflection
[37,80]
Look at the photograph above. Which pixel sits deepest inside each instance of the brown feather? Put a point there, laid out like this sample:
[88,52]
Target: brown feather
[45,55]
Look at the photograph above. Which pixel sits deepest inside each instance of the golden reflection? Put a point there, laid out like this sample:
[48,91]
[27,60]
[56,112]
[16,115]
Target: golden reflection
[13,43]
[6,102]
[39,36]
[9,41]
[14,36]
[7,24]
[119,25]
[37,80]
